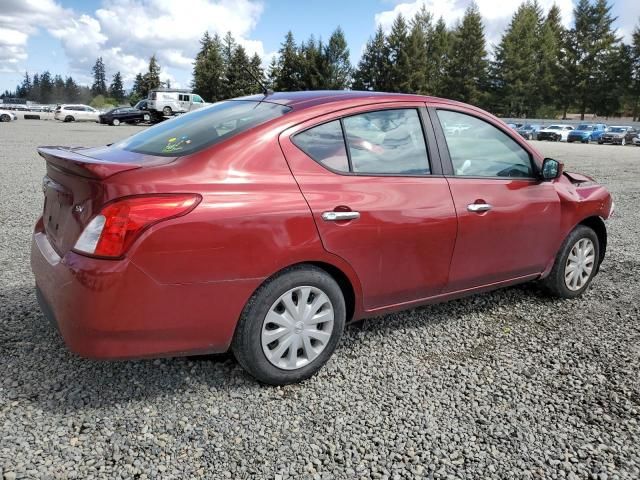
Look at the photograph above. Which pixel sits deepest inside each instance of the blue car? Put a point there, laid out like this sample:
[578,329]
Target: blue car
[587,132]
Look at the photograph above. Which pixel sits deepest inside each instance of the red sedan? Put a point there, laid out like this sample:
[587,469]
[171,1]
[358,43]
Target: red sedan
[263,224]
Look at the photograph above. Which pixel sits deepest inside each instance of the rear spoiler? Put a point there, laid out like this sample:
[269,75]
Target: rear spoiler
[68,159]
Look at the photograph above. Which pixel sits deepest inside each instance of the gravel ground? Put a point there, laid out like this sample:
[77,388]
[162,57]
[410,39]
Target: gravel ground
[503,385]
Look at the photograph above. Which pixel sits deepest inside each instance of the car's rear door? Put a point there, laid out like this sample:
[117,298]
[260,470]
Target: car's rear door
[508,219]
[373,180]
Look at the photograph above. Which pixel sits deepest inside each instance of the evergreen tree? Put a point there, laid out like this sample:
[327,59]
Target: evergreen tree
[398,51]
[99,86]
[373,69]
[209,69]
[58,89]
[338,65]
[34,93]
[24,89]
[273,73]
[466,70]
[516,67]
[46,88]
[634,90]
[314,66]
[239,82]
[255,64]
[437,58]
[116,89]
[289,66]
[418,48]
[549,84]
[71,91]
[151,79]
[594,41]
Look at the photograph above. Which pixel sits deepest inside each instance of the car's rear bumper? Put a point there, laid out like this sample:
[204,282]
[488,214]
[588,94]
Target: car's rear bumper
[112,309]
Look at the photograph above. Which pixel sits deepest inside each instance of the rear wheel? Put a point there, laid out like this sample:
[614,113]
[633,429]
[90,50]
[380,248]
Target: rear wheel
[69,118]
[167,112]
[576,264]
[290,326]
[623,142]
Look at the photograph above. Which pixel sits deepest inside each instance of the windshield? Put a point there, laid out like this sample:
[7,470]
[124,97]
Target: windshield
[528,127]
[617,129]
[202,128]
[585,127]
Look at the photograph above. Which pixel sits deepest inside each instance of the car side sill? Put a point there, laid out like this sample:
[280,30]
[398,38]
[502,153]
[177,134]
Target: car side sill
[443,297]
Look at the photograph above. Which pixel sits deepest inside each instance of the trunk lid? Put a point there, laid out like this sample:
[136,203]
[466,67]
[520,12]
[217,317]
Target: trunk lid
[74,188]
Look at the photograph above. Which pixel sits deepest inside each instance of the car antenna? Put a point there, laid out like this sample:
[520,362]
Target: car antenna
[265,90]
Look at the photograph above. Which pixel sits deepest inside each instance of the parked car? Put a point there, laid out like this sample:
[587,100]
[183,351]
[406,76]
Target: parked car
[263,224]
[618,135]
[529,131]
[556,133]
[636,141]
[587,132]
[7,116]
[119,115]
[167,101]
[76,113]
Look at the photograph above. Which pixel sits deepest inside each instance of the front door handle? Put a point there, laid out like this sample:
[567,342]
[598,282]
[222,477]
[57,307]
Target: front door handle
[340,216]
[479,207]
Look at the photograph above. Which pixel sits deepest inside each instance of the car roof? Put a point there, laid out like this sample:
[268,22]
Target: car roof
[313,98]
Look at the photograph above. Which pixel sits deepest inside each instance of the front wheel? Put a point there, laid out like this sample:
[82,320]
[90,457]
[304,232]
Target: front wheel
[146,117]
[167,112]
[5,118]
[115,122]
[290,326]
[623,142]
[576,264]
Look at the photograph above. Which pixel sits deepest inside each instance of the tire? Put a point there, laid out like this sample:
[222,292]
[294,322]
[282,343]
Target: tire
[167,112]
[115,122]
[623,142]
[558,283]
[69,118]
[250,347]
[146,117]
[529,137]
[5,118]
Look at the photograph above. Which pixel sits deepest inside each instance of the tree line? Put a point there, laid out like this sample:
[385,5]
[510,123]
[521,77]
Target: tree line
[538,69]
[46,88]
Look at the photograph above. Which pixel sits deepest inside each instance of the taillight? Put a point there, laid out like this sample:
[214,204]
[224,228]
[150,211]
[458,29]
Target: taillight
[111,233]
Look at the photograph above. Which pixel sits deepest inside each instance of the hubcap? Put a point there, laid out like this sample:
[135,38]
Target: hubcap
[580,264]
[297,328]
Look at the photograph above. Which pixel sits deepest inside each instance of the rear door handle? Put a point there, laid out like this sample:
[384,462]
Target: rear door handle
[340,216]
[479,207]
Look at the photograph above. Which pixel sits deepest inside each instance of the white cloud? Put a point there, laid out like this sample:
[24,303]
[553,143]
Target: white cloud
[495,13]
[127,32]
[19,19]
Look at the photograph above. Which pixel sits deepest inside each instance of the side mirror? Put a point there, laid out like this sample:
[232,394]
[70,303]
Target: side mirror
[551,169]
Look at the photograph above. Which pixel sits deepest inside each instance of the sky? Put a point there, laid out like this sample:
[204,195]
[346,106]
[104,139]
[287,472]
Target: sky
[66,36]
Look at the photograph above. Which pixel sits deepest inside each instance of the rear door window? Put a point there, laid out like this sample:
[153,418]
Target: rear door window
[387,142]
[384,142]
[204,127]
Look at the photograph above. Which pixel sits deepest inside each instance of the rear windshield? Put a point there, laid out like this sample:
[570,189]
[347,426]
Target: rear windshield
[205,127]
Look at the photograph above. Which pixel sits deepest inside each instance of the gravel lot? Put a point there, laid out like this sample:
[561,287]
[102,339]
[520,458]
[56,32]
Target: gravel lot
[504,385]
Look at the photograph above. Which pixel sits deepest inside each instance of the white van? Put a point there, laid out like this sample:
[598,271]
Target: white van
[169,101]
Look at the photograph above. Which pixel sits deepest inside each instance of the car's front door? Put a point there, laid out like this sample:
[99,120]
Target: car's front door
[377,194]
[508,219]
